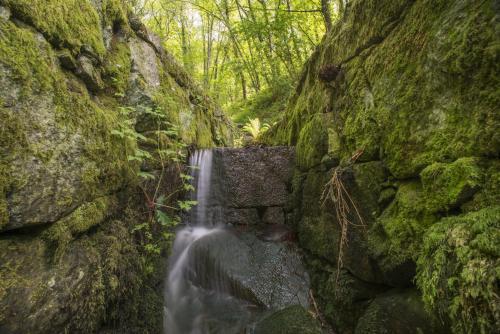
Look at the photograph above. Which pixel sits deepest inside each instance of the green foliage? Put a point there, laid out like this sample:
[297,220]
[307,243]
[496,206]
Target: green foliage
[267,105]
[238,48]
[254,128]
[167,148]
[459,270]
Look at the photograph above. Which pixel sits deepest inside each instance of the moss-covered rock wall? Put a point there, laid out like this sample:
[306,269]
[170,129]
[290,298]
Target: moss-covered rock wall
[71,72]
[400,103]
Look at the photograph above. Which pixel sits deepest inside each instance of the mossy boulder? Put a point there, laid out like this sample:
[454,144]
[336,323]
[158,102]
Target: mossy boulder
[436,115]
[71,294]
[398,312]
[73,74]
[414,92]
[459,270]
[291,320]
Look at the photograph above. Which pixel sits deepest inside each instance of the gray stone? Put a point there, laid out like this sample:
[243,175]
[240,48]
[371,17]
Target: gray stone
[144,65]
[267,274]
[274,215]
[254,176]
[89,74]
[4,13]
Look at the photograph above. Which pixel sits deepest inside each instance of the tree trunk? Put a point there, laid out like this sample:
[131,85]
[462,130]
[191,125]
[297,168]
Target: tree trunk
[327,14]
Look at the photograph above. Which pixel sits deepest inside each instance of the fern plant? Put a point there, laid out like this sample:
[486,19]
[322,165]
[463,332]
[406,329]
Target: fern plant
[254,128]
[169,151]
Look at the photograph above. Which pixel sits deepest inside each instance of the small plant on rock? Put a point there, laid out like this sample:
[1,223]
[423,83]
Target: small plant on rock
[165,155]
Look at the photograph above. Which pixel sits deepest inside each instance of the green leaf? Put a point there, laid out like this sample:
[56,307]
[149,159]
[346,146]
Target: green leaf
[146,175]
[163,219]
[186,205]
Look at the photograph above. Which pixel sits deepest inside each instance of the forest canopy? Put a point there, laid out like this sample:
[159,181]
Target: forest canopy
[238,48]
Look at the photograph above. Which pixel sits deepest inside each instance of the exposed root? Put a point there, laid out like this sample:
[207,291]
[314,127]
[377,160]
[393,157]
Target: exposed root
[317,314]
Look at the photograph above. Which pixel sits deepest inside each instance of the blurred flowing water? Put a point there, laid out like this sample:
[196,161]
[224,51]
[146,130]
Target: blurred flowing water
[193,308]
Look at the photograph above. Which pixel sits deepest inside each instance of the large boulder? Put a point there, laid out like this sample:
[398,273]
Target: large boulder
[268,274]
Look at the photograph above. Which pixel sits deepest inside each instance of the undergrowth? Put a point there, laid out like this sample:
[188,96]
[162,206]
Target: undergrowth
[152,167]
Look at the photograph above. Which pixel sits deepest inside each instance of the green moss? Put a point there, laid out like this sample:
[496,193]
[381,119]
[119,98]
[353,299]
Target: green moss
[65,23]
[489,194]
[204,135]
[117,67]
[396,236]
[459,269]
[398,311]
[88,215]
[11,136]
[312,143]
[27,59]
[447,186]
[115,13]
[290,320]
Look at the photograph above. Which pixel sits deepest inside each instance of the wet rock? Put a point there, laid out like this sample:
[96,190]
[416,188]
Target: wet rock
[276,233]
[397,312]
[253,177]
[246,217]
[291,320]
[274,215]
[268,274]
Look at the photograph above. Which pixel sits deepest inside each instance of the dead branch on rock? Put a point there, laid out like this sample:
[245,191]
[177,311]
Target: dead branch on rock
[336,192]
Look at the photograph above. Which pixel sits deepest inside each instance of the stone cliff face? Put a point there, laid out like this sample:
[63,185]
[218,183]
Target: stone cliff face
[70,73]
[400,101]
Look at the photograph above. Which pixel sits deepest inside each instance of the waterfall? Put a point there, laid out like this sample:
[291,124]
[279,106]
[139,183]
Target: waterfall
[201,164]
[191,309]
[228,270]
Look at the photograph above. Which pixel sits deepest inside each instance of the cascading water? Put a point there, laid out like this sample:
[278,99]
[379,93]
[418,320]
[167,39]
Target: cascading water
[190,308]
